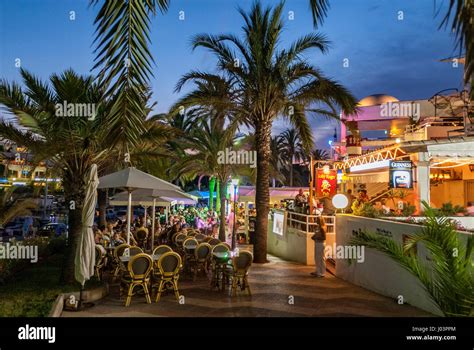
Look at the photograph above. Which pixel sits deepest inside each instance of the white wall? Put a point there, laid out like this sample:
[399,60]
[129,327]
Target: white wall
[378,272]
[294,245]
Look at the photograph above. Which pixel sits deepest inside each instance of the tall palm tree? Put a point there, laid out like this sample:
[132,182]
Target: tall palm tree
[292,150]
[319,154]
[71,144]
[461,15]
[204,145]
[276,161]
[12,205]
[269,82]
[449,278]
[124,62]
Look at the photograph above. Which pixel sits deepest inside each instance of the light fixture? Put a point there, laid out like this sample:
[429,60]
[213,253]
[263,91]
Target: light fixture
[340,201]
[398,140]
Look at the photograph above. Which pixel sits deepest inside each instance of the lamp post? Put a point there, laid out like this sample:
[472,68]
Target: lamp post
[235,183]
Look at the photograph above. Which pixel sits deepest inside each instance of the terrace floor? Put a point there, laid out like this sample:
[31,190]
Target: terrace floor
[273,285]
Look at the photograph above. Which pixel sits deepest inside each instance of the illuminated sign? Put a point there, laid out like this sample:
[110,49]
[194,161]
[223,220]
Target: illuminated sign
[401,175]
[370,166]
[326,182]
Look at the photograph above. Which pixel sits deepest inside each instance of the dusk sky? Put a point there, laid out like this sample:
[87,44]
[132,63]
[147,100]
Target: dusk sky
[386,55]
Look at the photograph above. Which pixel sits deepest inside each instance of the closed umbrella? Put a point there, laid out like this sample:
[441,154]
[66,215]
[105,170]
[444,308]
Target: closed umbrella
[85,253]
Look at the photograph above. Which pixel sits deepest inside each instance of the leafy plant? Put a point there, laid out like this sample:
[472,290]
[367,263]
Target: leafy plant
[448,209]
[365,209]
[448,277]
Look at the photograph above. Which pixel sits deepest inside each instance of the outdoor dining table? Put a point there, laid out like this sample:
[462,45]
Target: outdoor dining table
[220,259]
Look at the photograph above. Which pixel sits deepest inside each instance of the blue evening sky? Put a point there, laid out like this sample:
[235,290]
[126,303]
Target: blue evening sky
[386,55]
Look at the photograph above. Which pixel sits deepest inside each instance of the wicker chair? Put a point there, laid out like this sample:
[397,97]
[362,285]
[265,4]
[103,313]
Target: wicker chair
[134,250]
[200,262]
[119,266]
[218,266]
[214,241]
[161,249]
[100,260]
[179,239]
[138,274]
[238,272]
[169,265]
[200,237]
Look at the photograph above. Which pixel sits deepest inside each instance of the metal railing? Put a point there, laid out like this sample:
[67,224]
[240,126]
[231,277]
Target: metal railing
[306,223]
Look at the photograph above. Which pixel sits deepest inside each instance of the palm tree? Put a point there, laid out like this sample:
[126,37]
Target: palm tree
[292,150]
[461,15]
[124,62]
[319,154]
[12,205]
[203,146]
[71,144]
[269,82]
[276,161]
[449,278]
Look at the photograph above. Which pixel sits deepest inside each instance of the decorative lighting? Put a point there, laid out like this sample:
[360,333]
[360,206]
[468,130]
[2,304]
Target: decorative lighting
[340,201]
[398,140]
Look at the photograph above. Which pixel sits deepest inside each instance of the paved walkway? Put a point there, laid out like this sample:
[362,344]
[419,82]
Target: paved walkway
[274,286]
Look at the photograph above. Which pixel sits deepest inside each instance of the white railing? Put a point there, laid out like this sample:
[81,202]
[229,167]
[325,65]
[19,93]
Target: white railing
[306,223]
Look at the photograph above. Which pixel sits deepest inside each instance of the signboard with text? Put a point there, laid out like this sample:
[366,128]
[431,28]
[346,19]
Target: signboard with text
[401,174]
[326,182]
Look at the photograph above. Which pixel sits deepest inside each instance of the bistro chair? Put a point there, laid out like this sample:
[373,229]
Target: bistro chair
[118,252]
[134,250]
[214,241]
[207,239]
[169,265]
[138,274]
[179,239]
[200,237]
[238,272]
[218,265]
[161,249]
[201,259]
[191,233]
[100,260]
[189,247]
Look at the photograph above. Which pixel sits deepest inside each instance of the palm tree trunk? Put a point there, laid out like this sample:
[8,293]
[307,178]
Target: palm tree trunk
[75,192]
[262,195]
[212,185]
[218,196]
[222,186]
[102,200]
[291,172]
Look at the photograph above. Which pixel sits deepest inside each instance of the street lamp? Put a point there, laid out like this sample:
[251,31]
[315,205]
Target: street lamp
[235,183]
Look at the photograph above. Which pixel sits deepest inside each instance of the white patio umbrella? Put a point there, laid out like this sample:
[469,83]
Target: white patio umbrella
[147,198]
[132,179]
[85,253]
